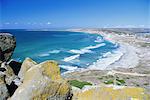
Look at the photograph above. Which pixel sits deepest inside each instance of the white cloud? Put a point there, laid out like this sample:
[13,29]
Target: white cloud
[48,23]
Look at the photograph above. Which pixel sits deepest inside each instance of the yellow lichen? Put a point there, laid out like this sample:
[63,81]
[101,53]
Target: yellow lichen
[108,93]
[43,81]
[51,69]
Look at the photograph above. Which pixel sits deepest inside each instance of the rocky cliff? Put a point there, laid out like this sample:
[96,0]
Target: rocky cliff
[43,81]
[32,81]
[7,46]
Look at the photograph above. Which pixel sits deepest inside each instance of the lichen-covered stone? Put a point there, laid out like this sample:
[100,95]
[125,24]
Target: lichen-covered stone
[7,46]
[9,75]
[111,93]
[27,64]
[3,89]
[41,82]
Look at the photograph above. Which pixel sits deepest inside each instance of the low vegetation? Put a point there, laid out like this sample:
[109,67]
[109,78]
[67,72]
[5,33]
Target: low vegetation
[79,84]
[112,80]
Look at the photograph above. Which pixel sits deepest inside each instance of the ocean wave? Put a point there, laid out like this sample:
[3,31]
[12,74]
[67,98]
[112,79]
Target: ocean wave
[82,51]
[99,39]
[106,54]
[69,68]
[44,55]
[109,58]
[87,49]
[55,51]
[96,46]
[68,59]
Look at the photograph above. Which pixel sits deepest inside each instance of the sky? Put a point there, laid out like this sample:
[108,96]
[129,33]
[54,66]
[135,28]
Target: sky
[29,14]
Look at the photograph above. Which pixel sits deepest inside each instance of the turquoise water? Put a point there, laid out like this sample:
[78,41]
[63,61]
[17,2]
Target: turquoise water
[70,49]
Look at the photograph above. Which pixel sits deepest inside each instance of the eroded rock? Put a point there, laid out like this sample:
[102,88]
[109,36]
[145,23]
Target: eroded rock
[26,65]
[41,82]
[3,89]
[110,93]
[9,75]
[7,46]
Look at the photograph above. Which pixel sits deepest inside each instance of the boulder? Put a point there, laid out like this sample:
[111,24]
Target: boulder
[41,82]
[3,89]
[110,93]
[26,65]
[9,75]
[7,46]
[15,66]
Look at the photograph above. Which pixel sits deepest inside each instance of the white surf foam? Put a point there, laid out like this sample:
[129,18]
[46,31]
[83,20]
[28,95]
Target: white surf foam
[96,46]
[99,39]
[87,49]
[67,59]
[125,56]
[129,59]
[54,51]
[69,68]
[82,51]
[43,55]
[109,59]
[106,54]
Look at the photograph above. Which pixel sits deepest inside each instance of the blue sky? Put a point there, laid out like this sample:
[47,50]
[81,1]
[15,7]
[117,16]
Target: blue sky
[74,13]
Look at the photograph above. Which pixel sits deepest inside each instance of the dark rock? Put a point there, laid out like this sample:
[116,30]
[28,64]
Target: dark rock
[4,94]
[7,46]
[15,66]
[11,88]
[2,69]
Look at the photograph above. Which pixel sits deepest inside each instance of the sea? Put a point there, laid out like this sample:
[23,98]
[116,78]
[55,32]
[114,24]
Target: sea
[72,50]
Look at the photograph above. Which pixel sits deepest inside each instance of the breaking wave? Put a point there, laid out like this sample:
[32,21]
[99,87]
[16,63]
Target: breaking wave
[67,59]
[87,49]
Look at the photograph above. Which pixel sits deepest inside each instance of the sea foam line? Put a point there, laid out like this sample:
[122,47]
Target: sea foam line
[82,51]
[69,68]
[49,52]
[55,51]
[109,58]
[125,56]
[99,39]
[44,55]
[87,49]
[67,59]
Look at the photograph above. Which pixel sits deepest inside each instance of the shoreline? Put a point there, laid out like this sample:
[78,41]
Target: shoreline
[119,56]
[133,66]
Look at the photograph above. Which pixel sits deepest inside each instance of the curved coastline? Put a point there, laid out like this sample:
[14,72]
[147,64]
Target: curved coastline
[124,57]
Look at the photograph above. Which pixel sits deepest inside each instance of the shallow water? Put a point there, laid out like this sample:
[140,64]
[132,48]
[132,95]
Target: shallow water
[71,50]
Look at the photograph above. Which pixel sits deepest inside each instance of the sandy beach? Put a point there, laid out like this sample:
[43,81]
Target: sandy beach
[130,62]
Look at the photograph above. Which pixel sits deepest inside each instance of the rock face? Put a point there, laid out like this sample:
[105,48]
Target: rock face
[9,75]
[111,93]
[26,65]
[41,82]
[3,89]
[7,46]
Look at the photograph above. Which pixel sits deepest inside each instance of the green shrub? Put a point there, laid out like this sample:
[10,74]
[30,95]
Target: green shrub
[79,84]
[120,81]
[109,82]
